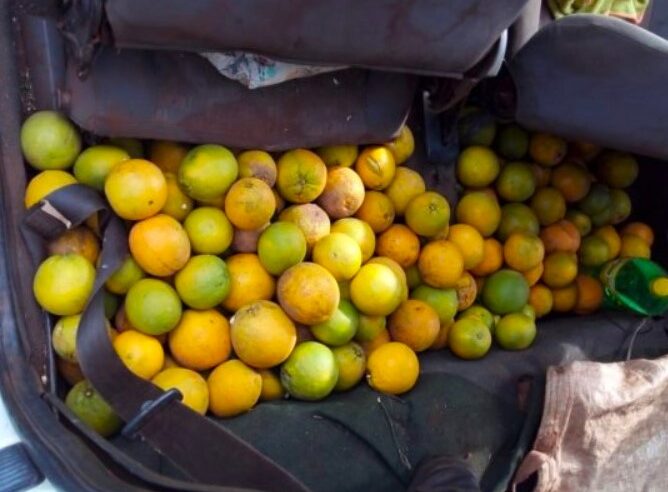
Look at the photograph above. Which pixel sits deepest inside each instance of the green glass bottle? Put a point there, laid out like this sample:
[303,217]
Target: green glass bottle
[637,285]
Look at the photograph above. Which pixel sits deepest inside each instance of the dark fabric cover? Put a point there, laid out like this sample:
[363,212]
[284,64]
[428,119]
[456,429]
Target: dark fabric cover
[596,78]
[180,96]
[420,36]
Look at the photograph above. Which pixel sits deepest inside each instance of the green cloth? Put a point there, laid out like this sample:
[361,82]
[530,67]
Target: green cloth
[632,10]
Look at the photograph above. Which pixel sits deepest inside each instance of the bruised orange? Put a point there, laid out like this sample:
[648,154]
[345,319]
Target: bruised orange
[80,241]
[343,194]
[312,220]
[257,164]
[561,236]
[308,293]
[376,166]
[249,203]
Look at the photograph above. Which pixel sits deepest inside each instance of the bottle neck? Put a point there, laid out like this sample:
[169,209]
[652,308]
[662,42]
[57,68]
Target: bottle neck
[659,287]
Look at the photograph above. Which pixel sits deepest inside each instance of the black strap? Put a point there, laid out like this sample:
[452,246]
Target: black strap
[204,450]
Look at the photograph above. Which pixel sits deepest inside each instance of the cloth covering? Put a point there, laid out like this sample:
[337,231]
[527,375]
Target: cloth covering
[604,427]
[631,10]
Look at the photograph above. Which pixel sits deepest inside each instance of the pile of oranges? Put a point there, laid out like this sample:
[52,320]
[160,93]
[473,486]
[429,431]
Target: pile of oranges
[254,276]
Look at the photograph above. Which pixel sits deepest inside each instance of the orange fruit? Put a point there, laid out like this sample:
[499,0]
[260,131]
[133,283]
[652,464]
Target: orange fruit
[249,203]
[178,204]
[257,164]
[136,189]
[234,388]
[203,282]
[272,388]
[564,299]
[45,183]
[505,291]
[540,298]
[379,340]
[159,245]
[63,284]
[515,331]
[470,243]
[469,338]
[249,281]
[547,150]
[492,258]
[209,230]
[396,269]
[634,247]
[340,328]
[338,155]
[360,231]
[610,235]
[561,268]
[124,277]
[152,306]
[308,293]
[311,219]
[590,294]
[190,384]
[481,313]
[262,334]
[311,372]
[616,169]
[516,182]
[94,164]
[339,254]
[351,361]
[142,354]
[69,371]
[534,275]
[245,241]
[414,323]
[444,301]
[572,181]
[64,336]
[479,210]
[402,146]
[512,142]
[90,407]
[475,126]
[620,206]
[477,167]
[467,291]
[561,236]
[542,175]
[80,241]
[517,217]
[207,172]
[442,339]
[400,244]
[641,230]
[523,252]
[376,290]
[301,176]
[201,340]
[594,251]
[377,210]
[280,246]
[406,185]
[428,213]
[376,166]
[549,205]
[581,221]
[49,140]
[441,264]
[584,151]
[413,278]
[343,194]
[598,201]
[369,327]
[393,368]
[167,155]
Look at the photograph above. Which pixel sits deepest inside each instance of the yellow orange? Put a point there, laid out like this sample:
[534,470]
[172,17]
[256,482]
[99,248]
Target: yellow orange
[470,243]
[480,210]
[249,203]
[406,185]
[308,293]
[159,245]
[492,258]
[523,251]
[44,183]
[400,244]
[376,166]
[249,281]
[234,388]
[428,213]
[167,155]
[301,176]
[441,264]
[377,210]
[136,189]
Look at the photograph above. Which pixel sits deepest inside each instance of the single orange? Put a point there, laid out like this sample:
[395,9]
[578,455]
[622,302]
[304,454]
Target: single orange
[563,235]
[492,258]
[549,205]
[480,210]
[377,210]
[572,180]
[564,299]
[249,203]
[470,243]
[428,213]
[402,146]
[547,150]
[343,194]
[201,340]
[523,252]
[540,298]
[414,323]
[257,164]
[136,189]
[441,264]
[590,294]
[376,166]
[561,268]
[167,155]
[400,244]
[634,247]
[159,245]
[406,185]
[301,176]
[249,281]
[308,293]
[80,241]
